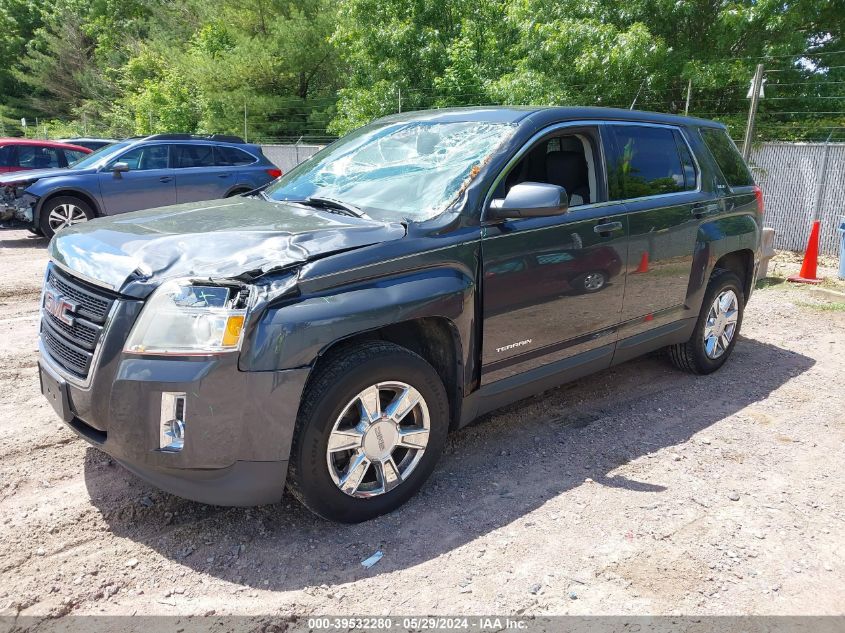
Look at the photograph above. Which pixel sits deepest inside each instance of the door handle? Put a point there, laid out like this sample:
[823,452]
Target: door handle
[223,175]
[607,228]
[700,210]
[165,179]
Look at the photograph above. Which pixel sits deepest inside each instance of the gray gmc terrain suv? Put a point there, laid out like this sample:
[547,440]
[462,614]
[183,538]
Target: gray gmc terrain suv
[329,331]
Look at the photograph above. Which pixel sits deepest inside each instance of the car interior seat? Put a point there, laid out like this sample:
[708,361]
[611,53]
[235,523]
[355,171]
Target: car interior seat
[40,161]
[568,169]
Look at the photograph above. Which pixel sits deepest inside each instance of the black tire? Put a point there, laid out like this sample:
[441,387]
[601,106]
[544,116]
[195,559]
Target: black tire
[35,231]
[45,224]
[336,384]
[237,192]
[692,356]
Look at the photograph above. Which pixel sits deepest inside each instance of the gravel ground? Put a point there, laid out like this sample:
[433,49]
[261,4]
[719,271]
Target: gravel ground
[639,490]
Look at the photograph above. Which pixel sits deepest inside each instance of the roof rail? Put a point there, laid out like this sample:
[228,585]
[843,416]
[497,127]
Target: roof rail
[225,138]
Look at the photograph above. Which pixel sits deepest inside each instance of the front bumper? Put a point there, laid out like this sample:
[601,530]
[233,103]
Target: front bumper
[17,209]
[239,425]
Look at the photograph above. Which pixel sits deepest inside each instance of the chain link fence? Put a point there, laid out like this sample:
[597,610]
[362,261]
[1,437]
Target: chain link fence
[799,187]
[286,157]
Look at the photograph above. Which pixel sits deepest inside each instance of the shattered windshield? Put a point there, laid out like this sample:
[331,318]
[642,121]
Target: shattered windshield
[412,170]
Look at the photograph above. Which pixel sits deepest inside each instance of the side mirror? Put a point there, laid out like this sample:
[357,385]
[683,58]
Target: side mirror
[119,168]
[530,200]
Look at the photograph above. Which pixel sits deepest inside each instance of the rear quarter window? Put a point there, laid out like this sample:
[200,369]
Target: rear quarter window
[232,157]
[727,157]
[73,155]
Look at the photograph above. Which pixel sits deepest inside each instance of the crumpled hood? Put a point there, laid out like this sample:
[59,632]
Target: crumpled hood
[27,175]
[217,238]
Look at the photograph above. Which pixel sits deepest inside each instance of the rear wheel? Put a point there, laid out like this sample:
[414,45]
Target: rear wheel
[62,211]
[237,192]
[717,328]
[370,430]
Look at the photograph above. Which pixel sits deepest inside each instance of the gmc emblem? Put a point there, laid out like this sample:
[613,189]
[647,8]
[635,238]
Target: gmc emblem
[59,307]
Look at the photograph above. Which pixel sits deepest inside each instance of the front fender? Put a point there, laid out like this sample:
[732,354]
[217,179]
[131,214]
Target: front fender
[64,186]
[294,335]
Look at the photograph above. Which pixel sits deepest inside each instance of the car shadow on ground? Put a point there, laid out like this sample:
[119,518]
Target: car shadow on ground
[494,472]
[29,240]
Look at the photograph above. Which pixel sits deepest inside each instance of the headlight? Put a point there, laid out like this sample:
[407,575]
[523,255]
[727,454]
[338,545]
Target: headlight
[182,319]
[13,191]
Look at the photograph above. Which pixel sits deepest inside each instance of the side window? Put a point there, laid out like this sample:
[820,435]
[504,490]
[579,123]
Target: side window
[232,157]
[193,156]
[727,157]
[73,155]
[690,174]
[648,161]
[7,156]
[145,157]
[566,159]
[37,157]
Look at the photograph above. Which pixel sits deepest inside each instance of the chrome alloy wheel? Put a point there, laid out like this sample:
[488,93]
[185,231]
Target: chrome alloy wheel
[378,439]
[594,281]
[64,215]
[721,322]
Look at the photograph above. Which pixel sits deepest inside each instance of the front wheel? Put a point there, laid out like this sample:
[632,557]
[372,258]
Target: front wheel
[62,211]
[590,282]
[717,328]
[371,427]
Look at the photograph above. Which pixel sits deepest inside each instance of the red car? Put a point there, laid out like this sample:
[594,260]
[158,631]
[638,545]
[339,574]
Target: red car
[18,154]
[546,275]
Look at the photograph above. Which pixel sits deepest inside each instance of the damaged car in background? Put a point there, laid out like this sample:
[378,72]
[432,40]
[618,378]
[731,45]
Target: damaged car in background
[327,332]
[138,173]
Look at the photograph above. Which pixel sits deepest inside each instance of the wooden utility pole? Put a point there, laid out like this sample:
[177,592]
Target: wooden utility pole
[756,84]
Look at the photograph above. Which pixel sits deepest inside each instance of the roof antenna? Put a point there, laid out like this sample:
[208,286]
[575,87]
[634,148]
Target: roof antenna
[634,102]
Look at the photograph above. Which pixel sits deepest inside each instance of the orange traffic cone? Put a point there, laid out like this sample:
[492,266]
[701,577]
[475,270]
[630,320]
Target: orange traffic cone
[811,259]
[643,267]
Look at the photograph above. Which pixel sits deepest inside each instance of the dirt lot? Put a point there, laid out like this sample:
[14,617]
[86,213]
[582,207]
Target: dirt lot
[640,490]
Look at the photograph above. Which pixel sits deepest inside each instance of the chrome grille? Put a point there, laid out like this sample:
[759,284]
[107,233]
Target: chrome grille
[93,304]
[71,343]
[82,332]
[68,356]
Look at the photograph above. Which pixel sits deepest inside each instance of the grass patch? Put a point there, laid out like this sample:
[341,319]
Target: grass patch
[769,282]
[836,306]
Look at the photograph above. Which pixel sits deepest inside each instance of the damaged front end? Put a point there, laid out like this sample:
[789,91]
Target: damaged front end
[16,204]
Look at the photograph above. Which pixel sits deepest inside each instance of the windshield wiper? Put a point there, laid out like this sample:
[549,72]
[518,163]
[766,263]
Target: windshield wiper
[330,204]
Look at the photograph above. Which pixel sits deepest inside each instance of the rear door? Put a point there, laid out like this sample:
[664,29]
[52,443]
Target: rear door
[553,287]
[198,177]
[247,172]
[652,170]
[149,183]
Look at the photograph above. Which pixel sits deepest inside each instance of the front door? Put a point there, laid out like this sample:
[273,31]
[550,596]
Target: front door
[149,182]
[553,287]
